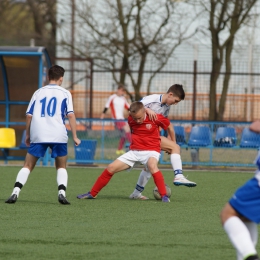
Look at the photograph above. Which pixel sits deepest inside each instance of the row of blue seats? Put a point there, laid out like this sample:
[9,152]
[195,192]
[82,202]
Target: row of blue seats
[202,136]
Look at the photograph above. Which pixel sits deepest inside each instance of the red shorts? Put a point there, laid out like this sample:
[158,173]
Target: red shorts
[120,125]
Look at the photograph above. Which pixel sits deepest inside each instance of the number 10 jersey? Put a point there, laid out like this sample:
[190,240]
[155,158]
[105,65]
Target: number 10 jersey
[48,106]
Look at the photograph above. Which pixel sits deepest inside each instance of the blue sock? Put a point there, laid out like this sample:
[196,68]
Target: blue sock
[139,188]
[176,172]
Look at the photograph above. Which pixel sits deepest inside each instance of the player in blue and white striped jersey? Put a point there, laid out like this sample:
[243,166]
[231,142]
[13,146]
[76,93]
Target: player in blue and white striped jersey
[45,128]
[160,104]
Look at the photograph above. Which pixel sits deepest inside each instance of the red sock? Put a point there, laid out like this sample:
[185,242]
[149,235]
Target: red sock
[101,182]
[128,137]
[121,143]
[159,182]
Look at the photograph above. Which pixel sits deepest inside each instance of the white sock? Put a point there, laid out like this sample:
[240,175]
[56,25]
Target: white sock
[22,178]
[62,179]
[239,236]
[176,164]
[142,181]
[62,192]
[239,257]
[252,228]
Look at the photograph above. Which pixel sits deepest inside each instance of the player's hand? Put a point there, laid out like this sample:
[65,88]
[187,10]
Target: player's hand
[102,116]
[76,141]
[27,140]
[152,115]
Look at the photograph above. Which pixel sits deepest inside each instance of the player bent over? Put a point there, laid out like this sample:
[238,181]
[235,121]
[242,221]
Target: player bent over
[241,214]
[45,128]
[144,148]
[160,104]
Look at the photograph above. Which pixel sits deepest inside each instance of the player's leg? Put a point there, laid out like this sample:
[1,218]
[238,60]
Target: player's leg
[144,177]
[120,126]
[174,150]
[62,179]
[120,149]
[104,178]
[158,178]
[59,152]
[238,233]
[34,152]
[126,129]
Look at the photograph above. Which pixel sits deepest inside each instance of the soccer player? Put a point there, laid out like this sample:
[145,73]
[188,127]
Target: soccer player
[144,148]
[117,103]
[45,128]
[241,214]
[160,104]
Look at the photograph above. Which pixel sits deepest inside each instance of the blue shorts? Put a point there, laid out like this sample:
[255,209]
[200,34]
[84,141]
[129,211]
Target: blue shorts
[246,200]
[57,150]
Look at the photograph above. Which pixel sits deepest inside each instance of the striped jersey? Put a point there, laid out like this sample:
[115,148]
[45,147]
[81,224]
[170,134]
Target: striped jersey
[48,106]
[117,104]
[154,102]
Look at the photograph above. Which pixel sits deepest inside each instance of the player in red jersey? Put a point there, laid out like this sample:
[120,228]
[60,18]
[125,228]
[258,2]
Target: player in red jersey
[117,103]
[145,148]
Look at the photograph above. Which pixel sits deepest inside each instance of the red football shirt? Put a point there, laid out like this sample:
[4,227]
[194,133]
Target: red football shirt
[146,136]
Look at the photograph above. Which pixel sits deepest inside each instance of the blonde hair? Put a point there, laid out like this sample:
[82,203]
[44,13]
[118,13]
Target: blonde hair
[136,107]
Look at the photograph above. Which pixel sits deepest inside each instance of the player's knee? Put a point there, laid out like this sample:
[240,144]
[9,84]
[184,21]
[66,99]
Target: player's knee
[153,169]
[111,168]
[226,213]
[175,148]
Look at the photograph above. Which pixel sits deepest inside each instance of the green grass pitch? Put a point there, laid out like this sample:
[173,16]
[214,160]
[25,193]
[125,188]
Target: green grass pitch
[113,226]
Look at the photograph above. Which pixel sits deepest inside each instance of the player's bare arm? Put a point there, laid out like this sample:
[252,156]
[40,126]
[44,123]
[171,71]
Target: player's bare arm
[72,121]
[152,115]
[28,124]
[171,133]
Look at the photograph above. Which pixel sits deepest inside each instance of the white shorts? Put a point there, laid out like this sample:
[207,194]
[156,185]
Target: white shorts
[133,156]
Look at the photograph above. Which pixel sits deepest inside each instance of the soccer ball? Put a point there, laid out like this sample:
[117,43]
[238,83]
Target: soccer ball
[157,195]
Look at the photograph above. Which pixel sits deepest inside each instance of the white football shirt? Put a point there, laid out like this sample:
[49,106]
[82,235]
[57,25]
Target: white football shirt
[48,106]
[117,104]
[154,102]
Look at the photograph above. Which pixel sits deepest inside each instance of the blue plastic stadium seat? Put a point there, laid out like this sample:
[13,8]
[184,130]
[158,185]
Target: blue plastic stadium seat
[225,137]
[249,139]
[85,152]
[200,136]
[180,135]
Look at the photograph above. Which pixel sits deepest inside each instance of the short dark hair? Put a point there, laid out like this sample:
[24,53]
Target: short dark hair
[177,90]
[55,72]
[136,107]
[121,86]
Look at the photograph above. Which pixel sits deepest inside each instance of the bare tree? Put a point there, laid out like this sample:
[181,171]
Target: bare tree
[225,19]
[125,37]
[44,21]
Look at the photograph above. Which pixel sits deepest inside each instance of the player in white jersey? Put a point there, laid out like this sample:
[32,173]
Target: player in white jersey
[117,103]
[241,214]
[160,104]
[45,128]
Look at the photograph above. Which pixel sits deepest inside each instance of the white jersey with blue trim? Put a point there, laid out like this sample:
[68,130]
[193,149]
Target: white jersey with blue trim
[154,102]
[48,106]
